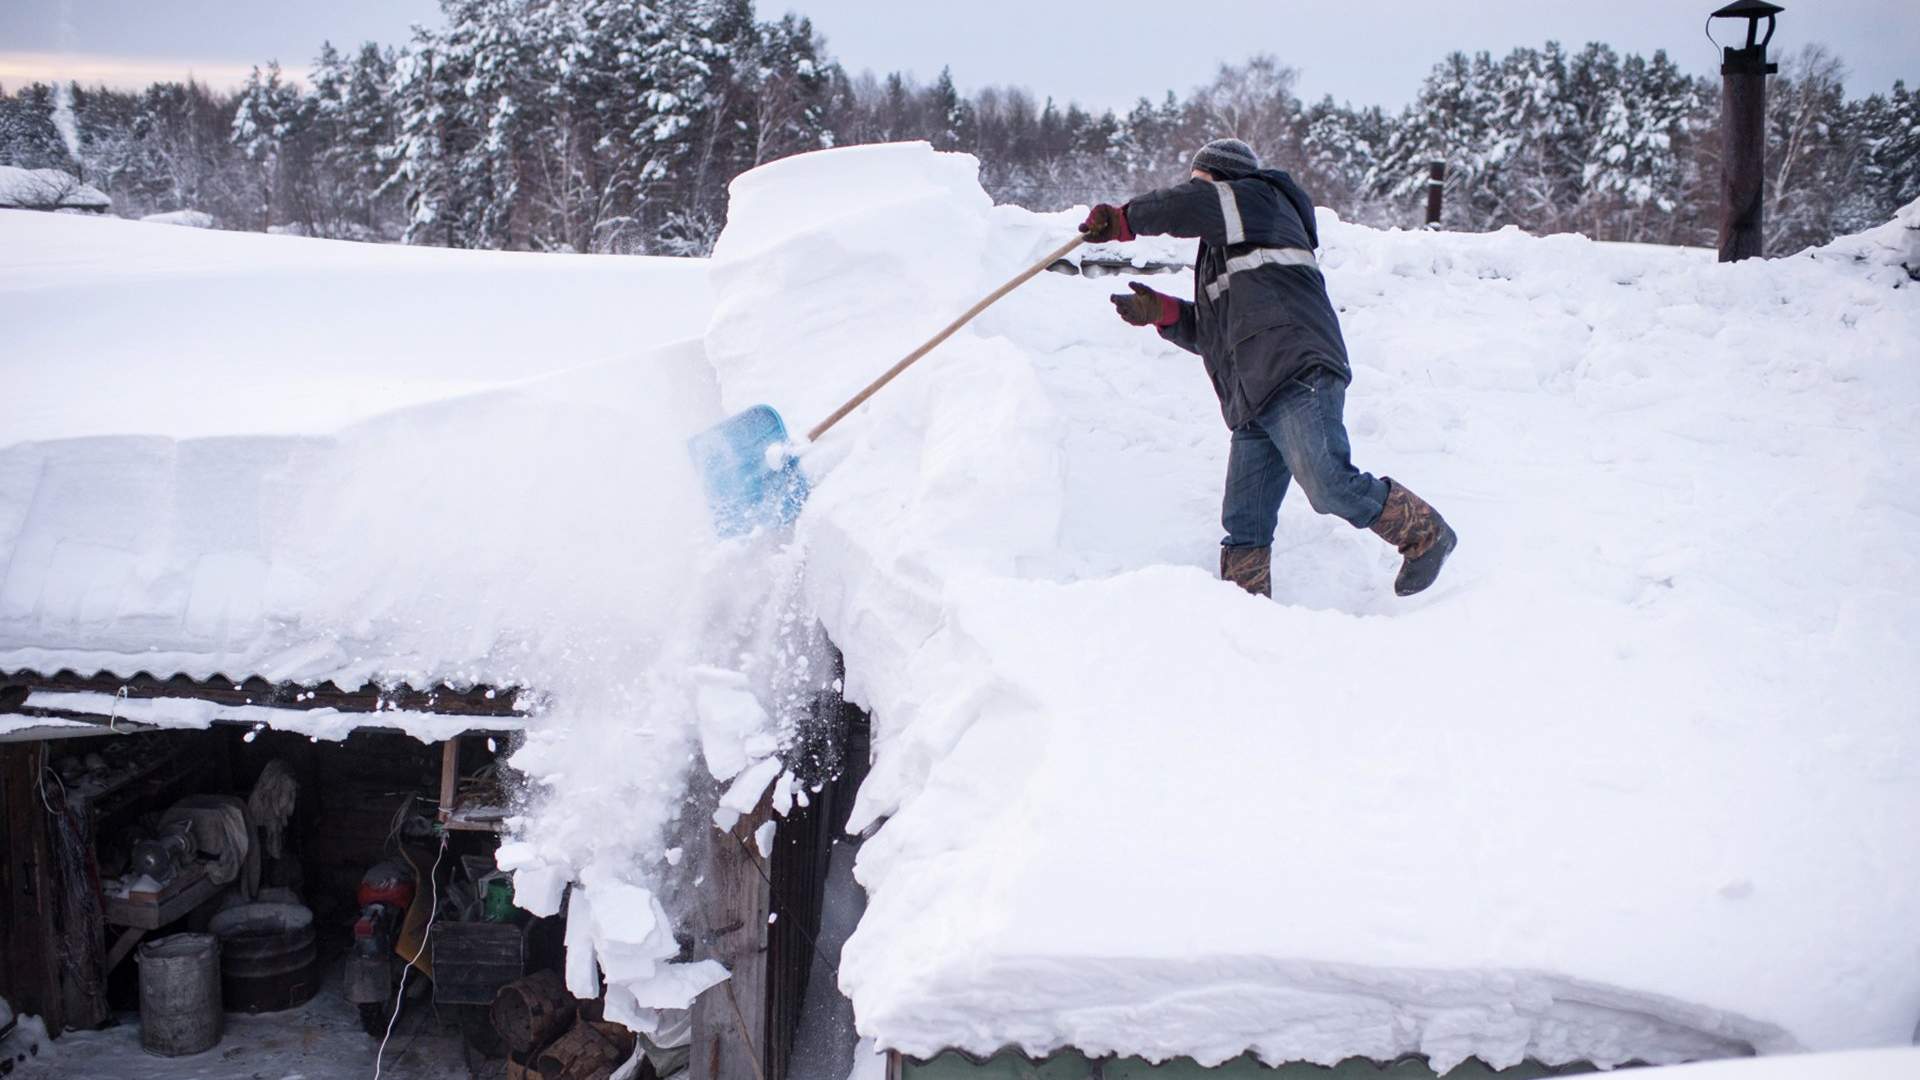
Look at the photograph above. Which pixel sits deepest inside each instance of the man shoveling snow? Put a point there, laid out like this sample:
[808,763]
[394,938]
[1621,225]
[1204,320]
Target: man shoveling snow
[1261,320]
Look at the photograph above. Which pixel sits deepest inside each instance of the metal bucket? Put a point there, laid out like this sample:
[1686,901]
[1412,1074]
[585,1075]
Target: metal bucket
[179,994]
[266,956]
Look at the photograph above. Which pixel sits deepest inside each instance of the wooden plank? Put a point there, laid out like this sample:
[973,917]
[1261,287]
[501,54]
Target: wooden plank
[74,884]
[123,945]
[730,1021]
[29,976]
[449,777]
[151,911]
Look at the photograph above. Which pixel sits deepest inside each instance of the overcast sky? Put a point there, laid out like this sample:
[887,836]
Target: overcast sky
[1104,53]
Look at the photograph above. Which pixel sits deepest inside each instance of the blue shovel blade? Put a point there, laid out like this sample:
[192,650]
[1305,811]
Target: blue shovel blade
[744,490]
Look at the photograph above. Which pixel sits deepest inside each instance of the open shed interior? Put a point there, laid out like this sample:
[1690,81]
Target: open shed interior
[201,902]
[300,857]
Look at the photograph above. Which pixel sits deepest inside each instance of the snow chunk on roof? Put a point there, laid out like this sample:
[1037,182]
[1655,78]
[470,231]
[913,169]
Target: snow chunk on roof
[1632,782]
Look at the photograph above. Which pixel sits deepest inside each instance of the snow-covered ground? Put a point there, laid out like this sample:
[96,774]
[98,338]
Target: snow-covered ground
[1638,779]
[320,1040]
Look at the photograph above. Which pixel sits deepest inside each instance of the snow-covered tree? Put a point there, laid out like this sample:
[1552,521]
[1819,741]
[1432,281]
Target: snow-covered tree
[28,138]
[949,117]
[1453,120]
[1638,168]
[1338,147]
[1811,159]
[1253,101]
[271,119]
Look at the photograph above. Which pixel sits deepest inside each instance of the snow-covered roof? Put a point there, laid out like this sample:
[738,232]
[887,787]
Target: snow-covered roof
[339,462]
[48,189]
[109,702]
[1636,780]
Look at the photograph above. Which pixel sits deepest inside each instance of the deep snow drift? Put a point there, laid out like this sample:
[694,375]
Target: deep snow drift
[1638,779]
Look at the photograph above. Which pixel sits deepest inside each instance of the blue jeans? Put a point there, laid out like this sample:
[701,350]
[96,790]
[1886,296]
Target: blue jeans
[1299,435]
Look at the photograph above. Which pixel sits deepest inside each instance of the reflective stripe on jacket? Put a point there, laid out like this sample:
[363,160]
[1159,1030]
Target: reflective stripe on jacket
[1260,315]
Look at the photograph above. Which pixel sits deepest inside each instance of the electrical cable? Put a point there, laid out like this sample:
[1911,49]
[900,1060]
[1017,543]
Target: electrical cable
[426,935]
[832,968]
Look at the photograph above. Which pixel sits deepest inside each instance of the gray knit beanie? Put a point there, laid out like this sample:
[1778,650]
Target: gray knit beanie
[1227,159]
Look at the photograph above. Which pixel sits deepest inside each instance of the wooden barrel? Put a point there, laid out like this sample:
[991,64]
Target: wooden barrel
[266,956]
[179,994]
[530,1012]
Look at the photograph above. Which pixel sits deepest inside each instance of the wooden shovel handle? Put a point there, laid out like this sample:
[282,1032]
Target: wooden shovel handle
[907,361]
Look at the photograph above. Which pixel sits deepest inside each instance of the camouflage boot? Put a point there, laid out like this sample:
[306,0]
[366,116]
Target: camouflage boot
[1422,535]
[1247,567]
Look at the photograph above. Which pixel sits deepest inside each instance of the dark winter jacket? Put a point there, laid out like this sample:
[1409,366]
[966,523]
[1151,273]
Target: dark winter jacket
[1260,316]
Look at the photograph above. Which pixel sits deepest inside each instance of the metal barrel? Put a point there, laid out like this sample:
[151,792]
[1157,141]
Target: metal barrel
[266,956]
[179,994]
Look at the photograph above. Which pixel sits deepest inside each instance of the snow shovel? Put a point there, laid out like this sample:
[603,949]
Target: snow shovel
[753,478]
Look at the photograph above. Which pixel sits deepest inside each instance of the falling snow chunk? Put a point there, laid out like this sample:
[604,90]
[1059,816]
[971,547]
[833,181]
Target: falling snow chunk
[744,794]
[730,717]
[763,838]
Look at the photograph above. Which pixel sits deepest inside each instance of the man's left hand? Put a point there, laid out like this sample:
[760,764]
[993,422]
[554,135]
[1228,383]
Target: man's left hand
[1145,307]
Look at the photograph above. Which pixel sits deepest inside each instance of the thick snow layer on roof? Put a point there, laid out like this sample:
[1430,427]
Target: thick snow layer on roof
[1639,779]
[47,189]
[123,328]
[311,460]
[314,461]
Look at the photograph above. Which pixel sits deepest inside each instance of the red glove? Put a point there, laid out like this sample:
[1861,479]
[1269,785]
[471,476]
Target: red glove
[1146,307]
[1104,223]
